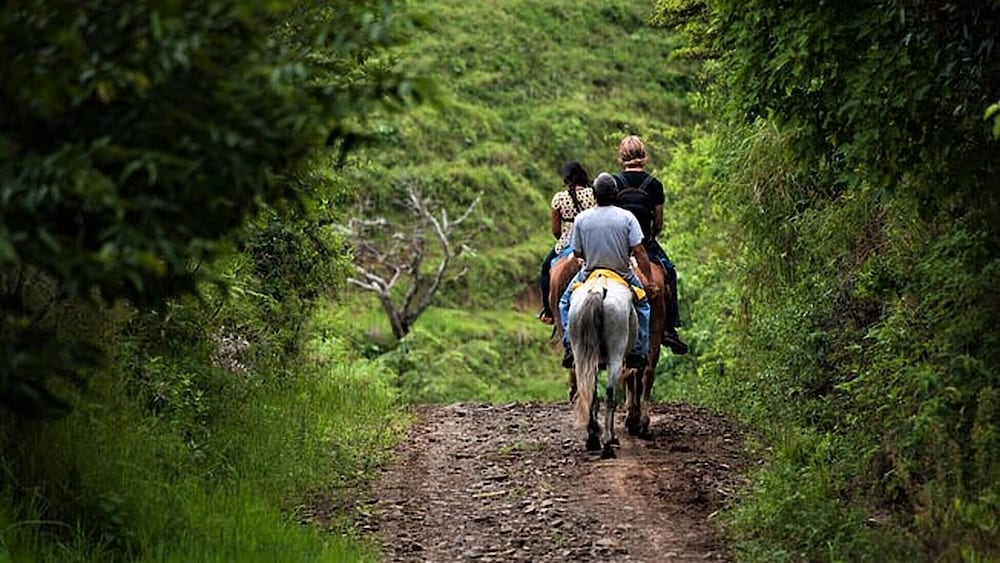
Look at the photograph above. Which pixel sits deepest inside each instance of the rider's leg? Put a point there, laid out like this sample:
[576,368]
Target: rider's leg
[673,317]
[567,361]
[543,282]
[640,348]
[671,307]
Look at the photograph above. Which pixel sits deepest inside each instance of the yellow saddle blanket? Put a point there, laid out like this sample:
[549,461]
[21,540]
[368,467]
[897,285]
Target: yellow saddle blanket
[614,276]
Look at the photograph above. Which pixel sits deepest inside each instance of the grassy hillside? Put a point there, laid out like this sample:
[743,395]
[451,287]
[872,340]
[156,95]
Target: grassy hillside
[524,86]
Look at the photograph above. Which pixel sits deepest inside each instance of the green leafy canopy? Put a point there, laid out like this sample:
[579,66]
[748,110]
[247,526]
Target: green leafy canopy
[135,136]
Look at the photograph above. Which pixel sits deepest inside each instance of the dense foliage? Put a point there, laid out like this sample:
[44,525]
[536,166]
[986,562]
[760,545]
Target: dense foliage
[167,188]
[857,174]
[136,135]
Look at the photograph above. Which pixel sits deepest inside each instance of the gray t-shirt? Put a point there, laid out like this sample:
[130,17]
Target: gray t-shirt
[604,235]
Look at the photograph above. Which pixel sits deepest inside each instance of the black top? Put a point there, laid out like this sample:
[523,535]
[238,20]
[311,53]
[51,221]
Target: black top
[640,192]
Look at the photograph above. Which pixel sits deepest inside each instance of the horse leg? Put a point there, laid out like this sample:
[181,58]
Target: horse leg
[614,373]
[633,392]
[594,427]
[647,388]
[614,435]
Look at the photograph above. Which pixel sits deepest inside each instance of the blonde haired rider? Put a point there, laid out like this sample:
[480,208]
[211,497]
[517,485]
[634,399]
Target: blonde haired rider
[642,194]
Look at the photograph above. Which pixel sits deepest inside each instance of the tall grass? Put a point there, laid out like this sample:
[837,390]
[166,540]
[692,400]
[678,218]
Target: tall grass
[223,479]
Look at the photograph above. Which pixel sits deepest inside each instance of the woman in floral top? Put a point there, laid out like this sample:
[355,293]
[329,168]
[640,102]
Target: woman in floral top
[566,204]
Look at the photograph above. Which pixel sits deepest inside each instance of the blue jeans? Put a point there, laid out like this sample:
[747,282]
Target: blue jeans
[641,345]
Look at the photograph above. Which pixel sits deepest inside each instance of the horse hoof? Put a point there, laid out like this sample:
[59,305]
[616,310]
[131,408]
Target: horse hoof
[615,442]
[645,434]
[632,425]
[607,452]
[593,444]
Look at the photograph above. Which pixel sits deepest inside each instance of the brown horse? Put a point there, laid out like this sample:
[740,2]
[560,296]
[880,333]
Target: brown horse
[638,386]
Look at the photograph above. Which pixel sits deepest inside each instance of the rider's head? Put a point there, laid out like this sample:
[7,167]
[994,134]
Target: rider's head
[605,189]
[573,174]
[632,152]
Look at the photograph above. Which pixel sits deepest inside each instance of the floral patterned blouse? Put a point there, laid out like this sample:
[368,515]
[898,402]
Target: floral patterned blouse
[563,203]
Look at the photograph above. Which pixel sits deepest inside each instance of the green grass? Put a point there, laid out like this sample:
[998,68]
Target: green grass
[456,354]
[525,88]
[111,481]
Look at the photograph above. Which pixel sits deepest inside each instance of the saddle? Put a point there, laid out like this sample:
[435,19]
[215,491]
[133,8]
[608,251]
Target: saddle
[614,276]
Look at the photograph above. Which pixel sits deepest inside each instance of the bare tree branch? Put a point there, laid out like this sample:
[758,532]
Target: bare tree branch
[398,257]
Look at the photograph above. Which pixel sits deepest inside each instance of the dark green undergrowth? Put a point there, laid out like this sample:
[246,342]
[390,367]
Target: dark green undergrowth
[168,188]
[849,314]
[174,453]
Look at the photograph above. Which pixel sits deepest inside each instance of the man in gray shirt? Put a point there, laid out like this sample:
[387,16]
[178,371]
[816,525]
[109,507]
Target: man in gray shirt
[603,237]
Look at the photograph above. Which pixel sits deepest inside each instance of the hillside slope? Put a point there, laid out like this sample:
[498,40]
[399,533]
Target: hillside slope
[525,88]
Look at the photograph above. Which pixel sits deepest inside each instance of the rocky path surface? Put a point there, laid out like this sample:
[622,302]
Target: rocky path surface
[477,482]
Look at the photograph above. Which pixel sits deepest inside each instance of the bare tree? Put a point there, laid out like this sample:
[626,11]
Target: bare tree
[387,256]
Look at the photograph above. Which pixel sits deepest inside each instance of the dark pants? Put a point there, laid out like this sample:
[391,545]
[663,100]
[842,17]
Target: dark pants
[543,282]
[658,255]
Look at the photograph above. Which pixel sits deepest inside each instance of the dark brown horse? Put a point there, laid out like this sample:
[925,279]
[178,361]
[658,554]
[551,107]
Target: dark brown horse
[638,386]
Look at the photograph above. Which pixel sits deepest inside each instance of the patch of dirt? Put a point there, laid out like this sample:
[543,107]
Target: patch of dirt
[476,482]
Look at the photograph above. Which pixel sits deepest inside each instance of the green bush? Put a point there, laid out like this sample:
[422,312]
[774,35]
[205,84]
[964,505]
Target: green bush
[164,238]
[856,177]
[137,136]
[197,461]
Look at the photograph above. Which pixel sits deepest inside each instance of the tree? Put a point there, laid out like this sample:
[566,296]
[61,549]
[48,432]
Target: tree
[391,257]
[136,136]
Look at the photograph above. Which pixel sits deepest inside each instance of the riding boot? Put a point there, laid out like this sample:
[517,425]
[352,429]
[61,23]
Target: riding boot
[672,318]
[546,316]
[567,361]
[673,340]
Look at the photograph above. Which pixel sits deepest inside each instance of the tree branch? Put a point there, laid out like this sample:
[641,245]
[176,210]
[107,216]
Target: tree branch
[383,261]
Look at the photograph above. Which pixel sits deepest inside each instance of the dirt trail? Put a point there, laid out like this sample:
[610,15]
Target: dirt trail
[479,482]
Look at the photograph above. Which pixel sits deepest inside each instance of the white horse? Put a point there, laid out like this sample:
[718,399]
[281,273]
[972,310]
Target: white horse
[602,328]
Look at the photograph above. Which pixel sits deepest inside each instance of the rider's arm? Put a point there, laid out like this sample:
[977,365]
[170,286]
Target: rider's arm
[574,244]
[657,219]
[643,260]
[556,223]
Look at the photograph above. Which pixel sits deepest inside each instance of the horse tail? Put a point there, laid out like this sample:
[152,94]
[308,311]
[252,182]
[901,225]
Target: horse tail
[586,329]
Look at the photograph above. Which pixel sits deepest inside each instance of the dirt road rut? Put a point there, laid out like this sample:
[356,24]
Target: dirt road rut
[477,482]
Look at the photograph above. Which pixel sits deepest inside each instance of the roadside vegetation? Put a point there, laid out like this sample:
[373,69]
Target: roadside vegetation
[186,364]
[845,292]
